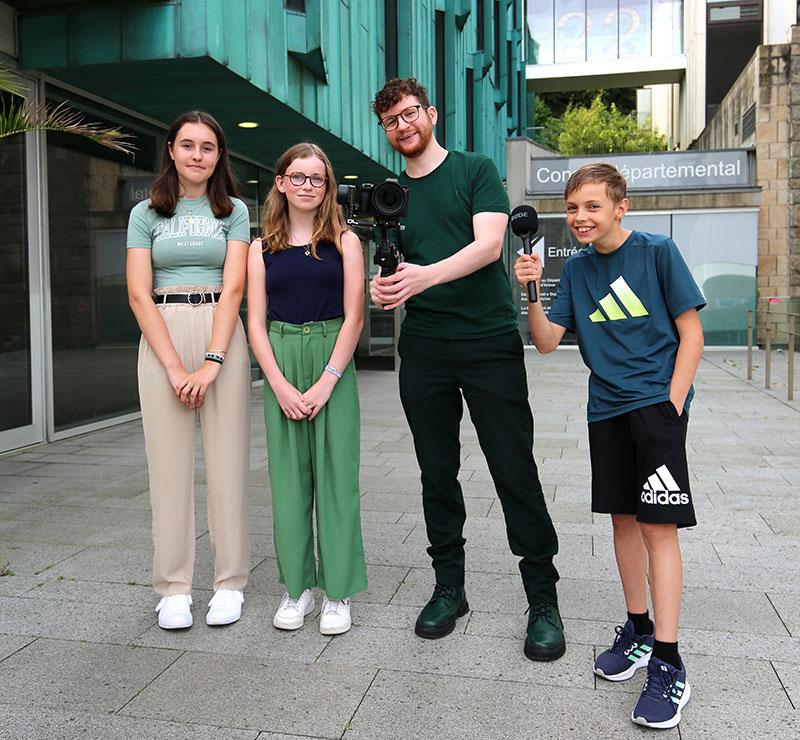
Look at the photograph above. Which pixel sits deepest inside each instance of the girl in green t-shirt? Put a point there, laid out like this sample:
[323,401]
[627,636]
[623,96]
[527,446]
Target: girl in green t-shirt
[187,258]
[311,267]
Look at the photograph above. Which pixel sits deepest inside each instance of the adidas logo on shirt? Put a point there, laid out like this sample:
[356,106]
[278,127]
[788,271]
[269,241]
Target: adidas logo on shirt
[661,488]
[629,300]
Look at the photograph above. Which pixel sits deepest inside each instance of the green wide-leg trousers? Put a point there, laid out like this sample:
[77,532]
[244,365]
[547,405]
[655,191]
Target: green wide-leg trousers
[315,464]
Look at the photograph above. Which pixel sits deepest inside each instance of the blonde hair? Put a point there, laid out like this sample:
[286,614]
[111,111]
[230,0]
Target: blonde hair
[329,224]
[610,176]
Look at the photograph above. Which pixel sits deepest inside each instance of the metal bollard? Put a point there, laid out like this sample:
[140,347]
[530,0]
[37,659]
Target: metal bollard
[767,355]
[790,348]
[750,345]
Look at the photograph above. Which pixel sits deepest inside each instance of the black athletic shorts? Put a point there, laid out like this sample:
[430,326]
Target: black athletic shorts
[639,465]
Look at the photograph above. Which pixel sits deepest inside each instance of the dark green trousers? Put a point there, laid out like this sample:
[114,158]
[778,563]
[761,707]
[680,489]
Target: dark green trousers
[490,373]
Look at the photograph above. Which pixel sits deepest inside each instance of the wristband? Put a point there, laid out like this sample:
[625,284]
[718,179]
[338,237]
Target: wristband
[214,357]
[333,371]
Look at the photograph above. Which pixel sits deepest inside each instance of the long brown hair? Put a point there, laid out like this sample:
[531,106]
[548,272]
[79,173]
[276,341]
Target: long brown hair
[329,223]
[165,190]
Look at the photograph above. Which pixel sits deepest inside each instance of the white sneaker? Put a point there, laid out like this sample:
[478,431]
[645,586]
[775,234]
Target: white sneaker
[174,613]
[292,612]
[335,617]
[225,607]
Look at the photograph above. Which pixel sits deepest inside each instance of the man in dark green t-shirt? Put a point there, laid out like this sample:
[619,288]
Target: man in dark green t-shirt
[459,337]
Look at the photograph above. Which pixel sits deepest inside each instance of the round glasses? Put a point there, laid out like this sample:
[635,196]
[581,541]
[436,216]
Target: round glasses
[298,179]
[409,114]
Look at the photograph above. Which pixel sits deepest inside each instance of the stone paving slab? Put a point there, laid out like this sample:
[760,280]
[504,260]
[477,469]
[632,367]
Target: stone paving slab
[10,644]
[80,675]
[457,655]
[74,620]
[246,693]
[35,723]
[401,704]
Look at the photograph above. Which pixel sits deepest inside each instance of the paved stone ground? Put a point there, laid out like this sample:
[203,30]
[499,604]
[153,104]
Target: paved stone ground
[81,655]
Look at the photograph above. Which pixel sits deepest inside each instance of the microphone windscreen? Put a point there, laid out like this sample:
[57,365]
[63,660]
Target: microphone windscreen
[524,220]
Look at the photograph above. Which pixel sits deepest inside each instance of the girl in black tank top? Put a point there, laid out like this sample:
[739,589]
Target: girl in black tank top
[305,314]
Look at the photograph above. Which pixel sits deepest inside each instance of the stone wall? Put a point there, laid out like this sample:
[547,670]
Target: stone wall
[772,82]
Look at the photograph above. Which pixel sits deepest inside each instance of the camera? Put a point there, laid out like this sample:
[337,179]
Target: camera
[384,204]
[386,201]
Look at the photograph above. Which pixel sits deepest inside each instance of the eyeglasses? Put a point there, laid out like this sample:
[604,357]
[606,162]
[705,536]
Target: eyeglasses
[298,179]
[409,114]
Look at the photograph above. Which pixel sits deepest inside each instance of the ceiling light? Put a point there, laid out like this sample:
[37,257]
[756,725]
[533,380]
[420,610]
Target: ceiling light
[247,124]
[252,182]
[351,177]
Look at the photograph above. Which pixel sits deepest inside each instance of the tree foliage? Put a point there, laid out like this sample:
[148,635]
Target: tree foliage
[604,130]
[592,122]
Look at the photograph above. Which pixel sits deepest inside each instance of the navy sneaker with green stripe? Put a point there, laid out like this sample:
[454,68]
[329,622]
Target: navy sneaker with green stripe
[664,694]
[628,653]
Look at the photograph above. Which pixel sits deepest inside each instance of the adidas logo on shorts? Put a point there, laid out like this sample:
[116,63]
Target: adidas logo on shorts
[661,488]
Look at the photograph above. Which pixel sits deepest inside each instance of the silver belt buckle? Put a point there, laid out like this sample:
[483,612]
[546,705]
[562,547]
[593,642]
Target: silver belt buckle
[201,298]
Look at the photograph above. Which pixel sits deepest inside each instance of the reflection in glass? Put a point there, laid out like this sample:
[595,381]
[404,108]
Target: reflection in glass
[570,26]
[15,356]
[540,24]
[634,29]
[602,26]
[95,337]
[594,30]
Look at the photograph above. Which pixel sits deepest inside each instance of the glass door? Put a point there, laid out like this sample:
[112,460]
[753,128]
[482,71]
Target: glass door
[21,376]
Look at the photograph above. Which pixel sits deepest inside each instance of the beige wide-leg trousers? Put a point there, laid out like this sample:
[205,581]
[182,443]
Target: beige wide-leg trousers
[169,433]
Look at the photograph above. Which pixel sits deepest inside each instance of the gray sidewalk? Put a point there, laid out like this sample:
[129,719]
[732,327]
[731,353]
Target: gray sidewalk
[81,655]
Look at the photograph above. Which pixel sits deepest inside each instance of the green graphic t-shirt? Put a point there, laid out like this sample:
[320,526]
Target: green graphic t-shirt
[439,223]
[189,248]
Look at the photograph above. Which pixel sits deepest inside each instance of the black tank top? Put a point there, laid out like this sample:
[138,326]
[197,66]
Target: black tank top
[302,289]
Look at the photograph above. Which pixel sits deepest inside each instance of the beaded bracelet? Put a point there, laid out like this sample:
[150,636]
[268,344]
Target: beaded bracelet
[333,371]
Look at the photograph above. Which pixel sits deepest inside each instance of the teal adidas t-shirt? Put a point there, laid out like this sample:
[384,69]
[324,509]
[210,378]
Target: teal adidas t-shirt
[623,307]
[189,247]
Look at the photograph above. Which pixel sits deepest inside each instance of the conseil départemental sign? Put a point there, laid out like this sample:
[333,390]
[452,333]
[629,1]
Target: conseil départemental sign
[707,170]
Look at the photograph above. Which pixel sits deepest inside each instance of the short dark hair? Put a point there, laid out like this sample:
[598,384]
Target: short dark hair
[396,89]
[610,176]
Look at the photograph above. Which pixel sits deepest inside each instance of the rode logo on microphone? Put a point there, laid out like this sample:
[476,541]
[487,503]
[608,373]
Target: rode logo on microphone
[662,489]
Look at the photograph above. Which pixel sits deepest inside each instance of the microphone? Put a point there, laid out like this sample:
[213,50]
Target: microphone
[524,224]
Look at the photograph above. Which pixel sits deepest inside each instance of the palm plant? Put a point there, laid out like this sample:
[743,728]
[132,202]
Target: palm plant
[16,118]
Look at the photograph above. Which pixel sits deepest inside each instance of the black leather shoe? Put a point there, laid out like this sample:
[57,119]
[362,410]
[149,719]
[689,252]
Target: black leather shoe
[438,616]
[545,638]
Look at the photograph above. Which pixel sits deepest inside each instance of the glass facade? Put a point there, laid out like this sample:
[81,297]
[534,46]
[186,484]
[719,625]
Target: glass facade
[720,249]
[94,334]
[15,321]
[573,31]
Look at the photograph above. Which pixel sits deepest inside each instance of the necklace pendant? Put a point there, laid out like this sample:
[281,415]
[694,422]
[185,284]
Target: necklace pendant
[307,252]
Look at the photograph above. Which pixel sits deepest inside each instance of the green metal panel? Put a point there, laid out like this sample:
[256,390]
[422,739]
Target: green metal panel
[315,73]
[149,33]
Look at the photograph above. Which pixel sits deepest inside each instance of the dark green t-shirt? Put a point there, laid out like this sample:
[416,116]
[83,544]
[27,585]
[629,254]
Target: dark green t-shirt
[439,223]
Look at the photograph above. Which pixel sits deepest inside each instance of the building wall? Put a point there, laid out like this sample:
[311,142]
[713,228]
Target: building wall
[326,63]
[771,82]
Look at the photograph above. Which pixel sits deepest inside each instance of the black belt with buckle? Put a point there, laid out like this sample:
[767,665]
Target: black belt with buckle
[194,299]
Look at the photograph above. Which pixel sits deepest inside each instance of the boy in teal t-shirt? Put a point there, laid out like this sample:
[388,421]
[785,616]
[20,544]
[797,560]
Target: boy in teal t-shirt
[632,303]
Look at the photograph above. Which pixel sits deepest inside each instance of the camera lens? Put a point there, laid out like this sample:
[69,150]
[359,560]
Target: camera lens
[389,199]
[344,194]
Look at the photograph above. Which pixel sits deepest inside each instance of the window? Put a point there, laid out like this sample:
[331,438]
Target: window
[298,6]
[390,42]
[480,31]
[497,49]
[470,108]
[441,78]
